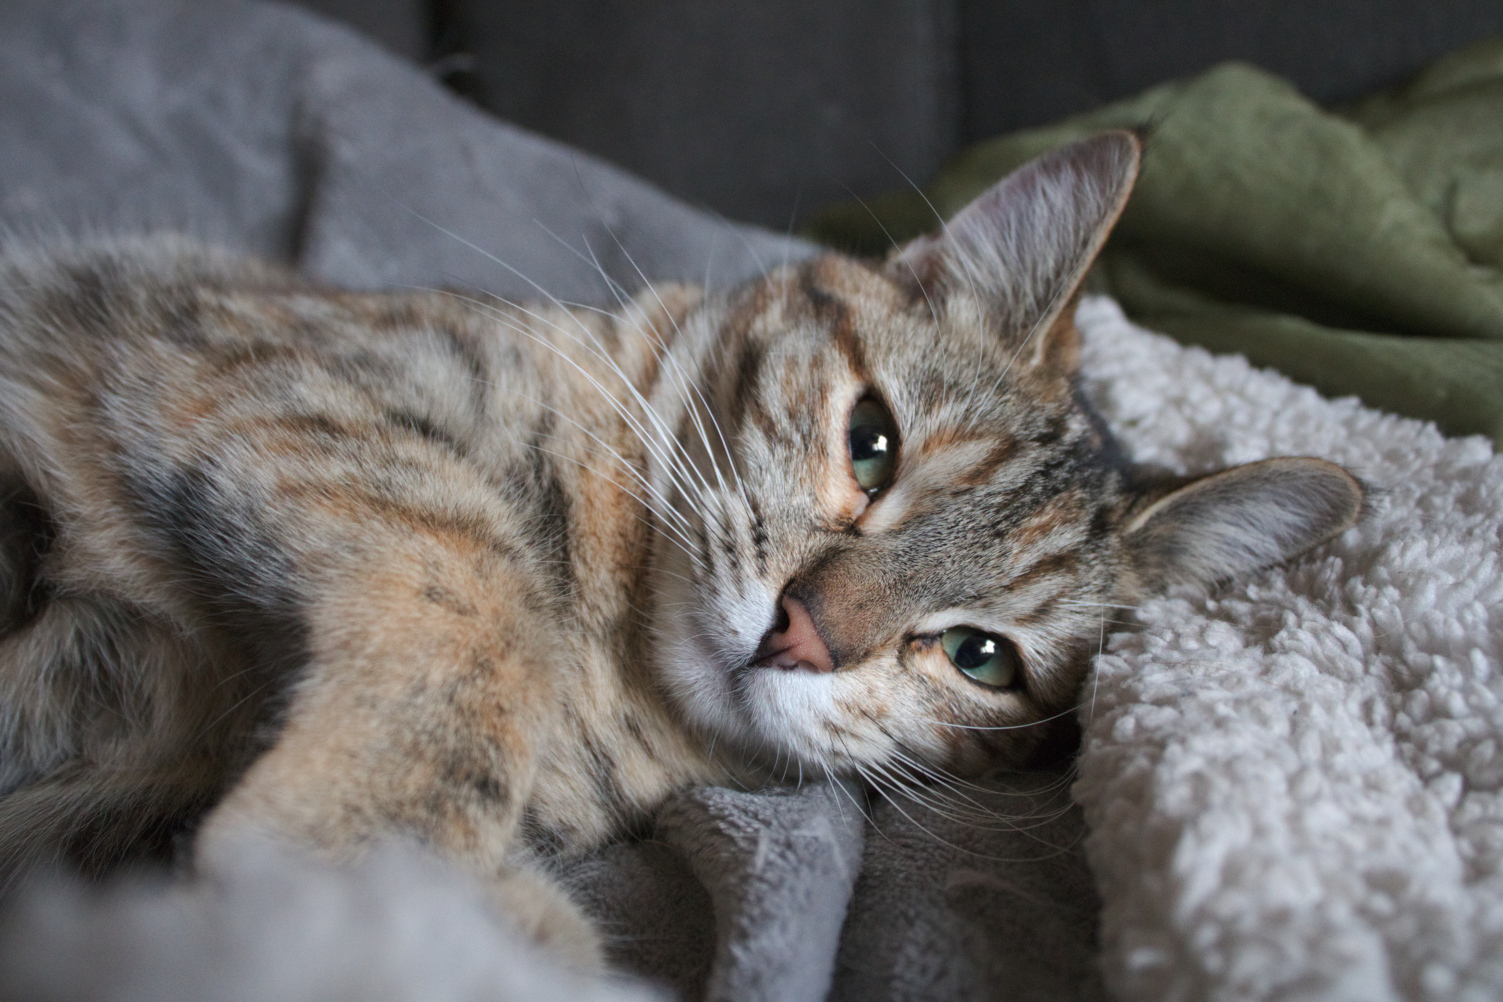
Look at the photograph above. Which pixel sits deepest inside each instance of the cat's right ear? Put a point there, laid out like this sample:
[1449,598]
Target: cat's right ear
[1024,245]
[1241,520]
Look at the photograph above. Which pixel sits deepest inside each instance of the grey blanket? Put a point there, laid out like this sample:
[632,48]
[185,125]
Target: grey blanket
[264,129]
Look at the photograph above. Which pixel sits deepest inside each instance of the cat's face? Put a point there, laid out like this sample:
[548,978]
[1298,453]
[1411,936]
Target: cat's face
[896,531]
[885,475]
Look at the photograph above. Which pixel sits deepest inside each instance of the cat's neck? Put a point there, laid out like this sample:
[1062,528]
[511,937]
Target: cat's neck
[627,746]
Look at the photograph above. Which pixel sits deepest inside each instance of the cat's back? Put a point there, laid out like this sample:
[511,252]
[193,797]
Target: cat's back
[159,344]
[64,302]
[129,367]
[75,316]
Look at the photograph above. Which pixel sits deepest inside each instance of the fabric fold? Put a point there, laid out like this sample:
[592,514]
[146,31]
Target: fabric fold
[779,866]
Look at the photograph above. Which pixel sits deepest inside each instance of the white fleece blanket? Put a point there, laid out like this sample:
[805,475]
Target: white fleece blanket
[1293,785]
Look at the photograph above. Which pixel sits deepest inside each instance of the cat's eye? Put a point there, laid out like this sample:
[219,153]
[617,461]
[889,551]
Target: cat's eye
[873,438]
[985,657]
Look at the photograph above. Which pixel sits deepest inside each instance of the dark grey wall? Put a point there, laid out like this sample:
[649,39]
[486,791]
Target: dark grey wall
[755,107]
[748,106]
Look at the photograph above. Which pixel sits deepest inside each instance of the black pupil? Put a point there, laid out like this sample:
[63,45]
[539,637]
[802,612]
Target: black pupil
[975,651]
[868,442]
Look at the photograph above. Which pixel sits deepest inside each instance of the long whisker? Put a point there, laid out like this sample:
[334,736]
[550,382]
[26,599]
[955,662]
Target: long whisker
[553,299]
[629,466]
[933,311]
[655,444]
[1007,727]
[1096,670]
[976,815]
[682,378]
[672,535]
[960,791]
[685,383]
[890,787]
[665,358]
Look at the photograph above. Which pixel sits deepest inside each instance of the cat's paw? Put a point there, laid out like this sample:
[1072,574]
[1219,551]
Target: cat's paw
[538,908]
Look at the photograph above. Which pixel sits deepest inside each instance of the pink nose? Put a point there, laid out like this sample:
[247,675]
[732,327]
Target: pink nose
[794,642]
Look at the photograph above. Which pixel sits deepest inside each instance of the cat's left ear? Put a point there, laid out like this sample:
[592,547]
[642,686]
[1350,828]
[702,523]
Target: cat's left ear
[1240,520]
[1023,247]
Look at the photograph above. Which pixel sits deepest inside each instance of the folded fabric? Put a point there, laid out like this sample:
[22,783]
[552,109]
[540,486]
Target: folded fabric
[1358,250]
[263,129]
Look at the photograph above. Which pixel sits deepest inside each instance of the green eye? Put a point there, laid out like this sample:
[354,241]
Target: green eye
[985,657]
[874,445]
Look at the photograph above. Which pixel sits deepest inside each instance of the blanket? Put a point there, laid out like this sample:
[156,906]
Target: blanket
[1287,789]
[1356,249]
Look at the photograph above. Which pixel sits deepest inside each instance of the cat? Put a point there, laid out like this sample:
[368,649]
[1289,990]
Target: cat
[332,568]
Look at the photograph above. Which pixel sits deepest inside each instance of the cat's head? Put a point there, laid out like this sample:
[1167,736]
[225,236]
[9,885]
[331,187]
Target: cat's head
[896,527]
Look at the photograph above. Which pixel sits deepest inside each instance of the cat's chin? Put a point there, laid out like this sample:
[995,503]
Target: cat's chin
[710,694]
[761,716]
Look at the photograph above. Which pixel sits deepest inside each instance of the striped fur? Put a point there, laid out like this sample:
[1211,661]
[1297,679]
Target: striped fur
[336,567]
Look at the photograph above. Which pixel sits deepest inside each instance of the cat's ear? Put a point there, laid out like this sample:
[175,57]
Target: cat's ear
[1024,245]
[1241,519]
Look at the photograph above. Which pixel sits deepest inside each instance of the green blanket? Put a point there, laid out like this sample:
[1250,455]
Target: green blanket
[1359,249]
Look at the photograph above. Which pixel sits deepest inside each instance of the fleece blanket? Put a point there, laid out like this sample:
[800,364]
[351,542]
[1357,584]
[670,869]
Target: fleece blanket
[1357,249]
[1288,788]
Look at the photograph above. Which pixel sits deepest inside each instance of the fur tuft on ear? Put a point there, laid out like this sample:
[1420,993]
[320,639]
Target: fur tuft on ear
[1023,246]
[1242,519]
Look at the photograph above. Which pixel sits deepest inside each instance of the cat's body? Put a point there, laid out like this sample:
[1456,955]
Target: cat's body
[255,485]
[345,567]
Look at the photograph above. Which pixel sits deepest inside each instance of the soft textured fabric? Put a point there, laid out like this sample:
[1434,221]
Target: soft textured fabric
[279,928]
[739,895]
[1294,784]
[1359,251]
[983,895]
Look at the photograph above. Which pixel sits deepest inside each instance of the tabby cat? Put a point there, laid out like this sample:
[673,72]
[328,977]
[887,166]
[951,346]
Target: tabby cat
[290,562]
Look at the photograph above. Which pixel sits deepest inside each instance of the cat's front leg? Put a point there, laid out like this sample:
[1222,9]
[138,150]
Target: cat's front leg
[430,695]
